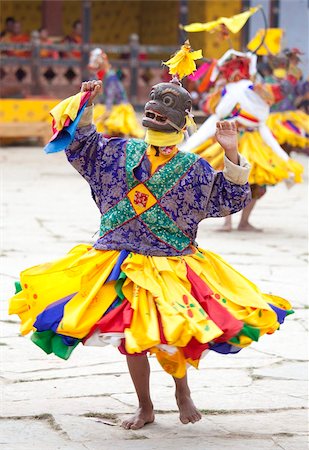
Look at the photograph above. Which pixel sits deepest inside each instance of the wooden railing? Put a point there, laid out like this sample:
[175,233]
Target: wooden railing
[34,75]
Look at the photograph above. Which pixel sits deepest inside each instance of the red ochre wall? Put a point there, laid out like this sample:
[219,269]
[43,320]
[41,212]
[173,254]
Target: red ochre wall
[155,21]
[28,13]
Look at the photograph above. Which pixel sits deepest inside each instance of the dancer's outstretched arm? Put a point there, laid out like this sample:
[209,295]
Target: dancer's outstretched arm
[208,128]
[90,153]
[269,139]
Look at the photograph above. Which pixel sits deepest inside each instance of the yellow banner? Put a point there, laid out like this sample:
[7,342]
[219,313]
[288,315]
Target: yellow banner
[271,44]
[234,23]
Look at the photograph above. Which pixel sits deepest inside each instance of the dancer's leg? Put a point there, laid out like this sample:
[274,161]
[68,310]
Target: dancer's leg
[140,373]
[244,224]
[187,410]
[227,226]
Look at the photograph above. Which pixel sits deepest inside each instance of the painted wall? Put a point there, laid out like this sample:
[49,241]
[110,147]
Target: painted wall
[156,21]
[28,13]
[214,46]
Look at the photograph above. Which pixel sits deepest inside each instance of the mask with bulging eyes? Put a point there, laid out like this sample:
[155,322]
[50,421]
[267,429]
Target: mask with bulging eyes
[167,108]
[98,60]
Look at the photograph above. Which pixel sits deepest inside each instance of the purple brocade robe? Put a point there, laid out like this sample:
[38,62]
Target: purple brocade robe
[198,193]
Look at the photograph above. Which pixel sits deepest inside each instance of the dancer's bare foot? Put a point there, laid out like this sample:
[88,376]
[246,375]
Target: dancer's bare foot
[226,228]
[227,224]
[142,416]
[188,413]
[248,227]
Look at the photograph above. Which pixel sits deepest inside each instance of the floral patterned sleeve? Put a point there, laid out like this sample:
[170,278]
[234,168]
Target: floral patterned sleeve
[91,154]
[86,150]
[100,161]
[229,193]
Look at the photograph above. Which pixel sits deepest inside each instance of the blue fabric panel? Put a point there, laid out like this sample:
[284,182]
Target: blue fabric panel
[50,318]
[114,275]
[224,348]
[281,313]
[68,340]
[65,137]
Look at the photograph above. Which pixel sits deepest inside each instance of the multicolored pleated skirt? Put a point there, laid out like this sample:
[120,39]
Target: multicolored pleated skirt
[177,308]
[290,127]
[267,168]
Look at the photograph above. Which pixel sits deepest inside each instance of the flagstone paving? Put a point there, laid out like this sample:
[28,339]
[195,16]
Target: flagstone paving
[256,399]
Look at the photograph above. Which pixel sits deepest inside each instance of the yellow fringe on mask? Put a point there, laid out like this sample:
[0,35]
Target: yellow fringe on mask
[183,62]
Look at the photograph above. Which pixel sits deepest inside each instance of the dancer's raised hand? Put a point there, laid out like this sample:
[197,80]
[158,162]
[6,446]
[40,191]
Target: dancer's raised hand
[95,86]
[226,135]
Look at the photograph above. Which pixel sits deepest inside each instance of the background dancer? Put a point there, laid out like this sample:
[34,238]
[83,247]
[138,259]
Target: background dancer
[115,116]
[247,104]
[289,119]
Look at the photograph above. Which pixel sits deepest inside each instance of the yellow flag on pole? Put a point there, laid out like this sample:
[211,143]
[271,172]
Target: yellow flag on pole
[271,44]
[234,23]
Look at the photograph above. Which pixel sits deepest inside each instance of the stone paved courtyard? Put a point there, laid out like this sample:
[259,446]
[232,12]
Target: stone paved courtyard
[256,399]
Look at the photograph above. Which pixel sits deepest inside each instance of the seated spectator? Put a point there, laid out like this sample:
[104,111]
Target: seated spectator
[74,38]
[44,39]
[8,30]
[18,37]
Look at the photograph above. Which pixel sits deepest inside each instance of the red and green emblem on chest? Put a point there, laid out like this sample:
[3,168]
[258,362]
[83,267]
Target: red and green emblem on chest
[140,199]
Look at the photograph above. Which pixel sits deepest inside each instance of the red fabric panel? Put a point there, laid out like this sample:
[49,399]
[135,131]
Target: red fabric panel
[115,321]
[216,312]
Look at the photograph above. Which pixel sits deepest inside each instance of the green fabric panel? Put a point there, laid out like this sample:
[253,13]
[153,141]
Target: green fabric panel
[289,311]
[60,349]
[18,287]
[235,340]
[165,228]
[116,216]
[134,153]
[43,339]
[119,283]
[165,178]
[247,330]
[50,342]
[251,332]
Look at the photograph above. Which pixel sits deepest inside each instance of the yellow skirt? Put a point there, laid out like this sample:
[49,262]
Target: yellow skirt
[290,127]
[120,121]
[267,168]
[176,307]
